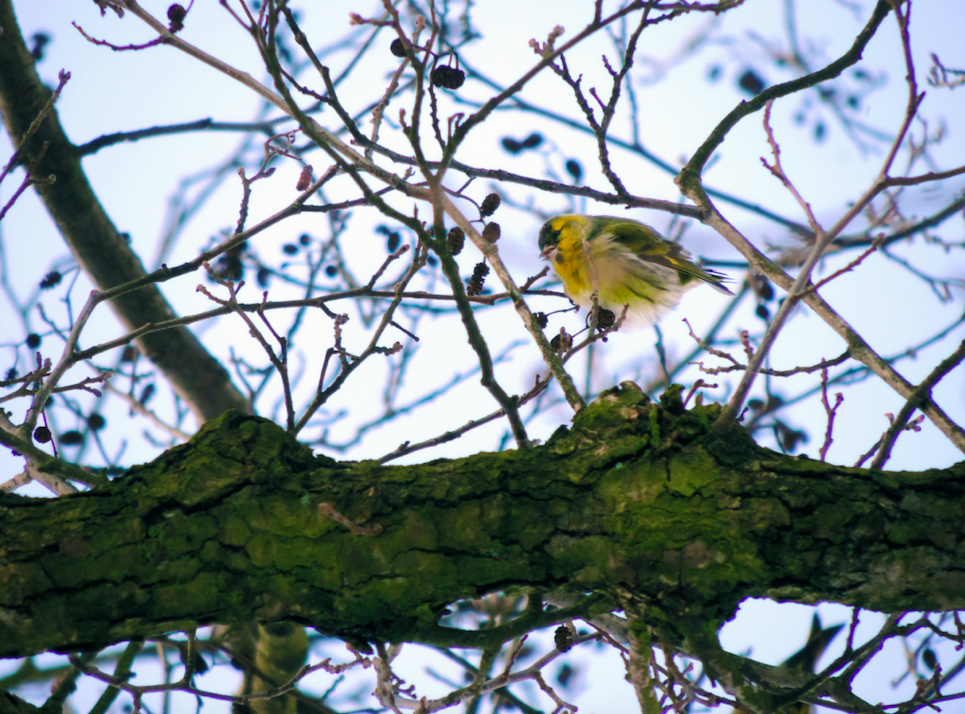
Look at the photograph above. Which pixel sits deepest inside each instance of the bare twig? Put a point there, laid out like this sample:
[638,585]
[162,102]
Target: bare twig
[829,412]
[921,393]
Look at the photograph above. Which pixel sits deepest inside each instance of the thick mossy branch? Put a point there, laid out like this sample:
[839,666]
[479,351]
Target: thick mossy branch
[635,501]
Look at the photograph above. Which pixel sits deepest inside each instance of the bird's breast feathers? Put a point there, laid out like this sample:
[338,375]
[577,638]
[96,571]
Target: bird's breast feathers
[619,276]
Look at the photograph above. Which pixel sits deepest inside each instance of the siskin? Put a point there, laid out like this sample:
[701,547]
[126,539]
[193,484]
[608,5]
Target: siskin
[627,264]
[806,658]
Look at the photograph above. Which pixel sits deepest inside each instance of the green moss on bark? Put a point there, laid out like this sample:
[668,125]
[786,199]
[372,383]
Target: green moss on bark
[636,500]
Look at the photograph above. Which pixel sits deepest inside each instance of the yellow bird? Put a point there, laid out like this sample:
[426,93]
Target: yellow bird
[627,264]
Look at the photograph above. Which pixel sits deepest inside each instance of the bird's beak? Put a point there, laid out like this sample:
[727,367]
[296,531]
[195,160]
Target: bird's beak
[547,252]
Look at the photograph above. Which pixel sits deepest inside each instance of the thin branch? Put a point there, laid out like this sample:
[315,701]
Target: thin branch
[921,393]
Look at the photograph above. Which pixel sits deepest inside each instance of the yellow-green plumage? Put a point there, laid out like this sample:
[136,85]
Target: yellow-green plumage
[626,263]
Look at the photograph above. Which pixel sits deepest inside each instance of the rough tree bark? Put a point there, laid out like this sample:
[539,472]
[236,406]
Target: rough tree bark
[637,504]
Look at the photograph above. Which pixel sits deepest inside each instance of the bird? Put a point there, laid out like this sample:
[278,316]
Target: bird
[626,264]
[806,658]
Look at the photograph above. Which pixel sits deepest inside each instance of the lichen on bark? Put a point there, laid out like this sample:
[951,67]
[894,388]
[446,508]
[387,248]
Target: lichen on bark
[635,500]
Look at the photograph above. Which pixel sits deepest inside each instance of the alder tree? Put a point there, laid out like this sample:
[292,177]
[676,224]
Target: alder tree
[297,408]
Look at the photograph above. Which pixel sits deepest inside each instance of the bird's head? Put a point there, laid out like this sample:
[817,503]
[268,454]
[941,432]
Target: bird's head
[549,234]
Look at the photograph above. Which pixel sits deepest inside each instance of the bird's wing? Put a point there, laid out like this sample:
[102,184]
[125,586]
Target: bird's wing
[638,238]
[647,245]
